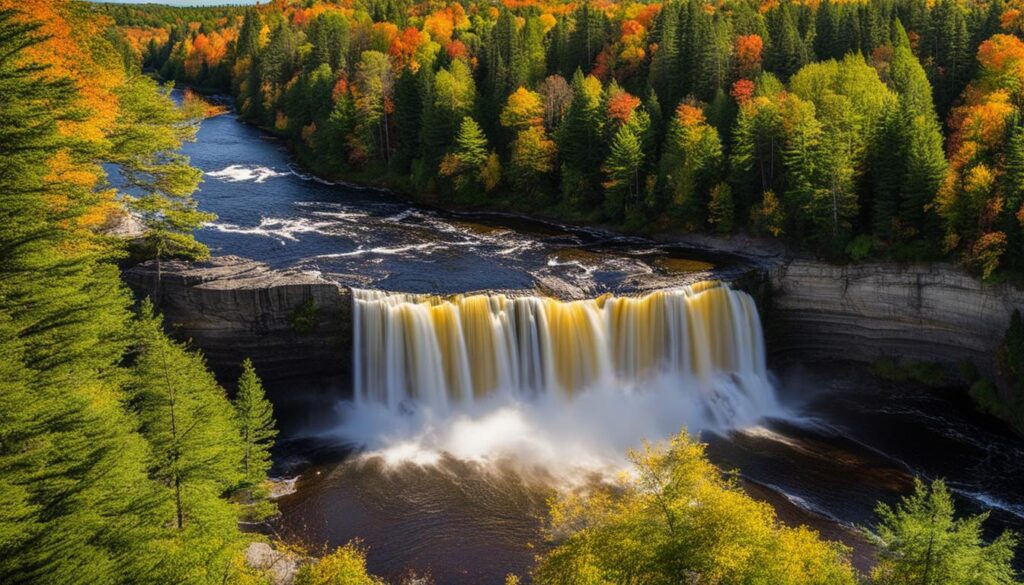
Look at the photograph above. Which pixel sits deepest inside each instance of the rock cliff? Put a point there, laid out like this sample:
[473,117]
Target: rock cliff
[293,325]
[932,312]
[297,326]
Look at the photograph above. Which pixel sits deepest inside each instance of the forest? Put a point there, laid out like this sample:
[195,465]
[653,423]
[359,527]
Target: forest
[856,129]
[883,128]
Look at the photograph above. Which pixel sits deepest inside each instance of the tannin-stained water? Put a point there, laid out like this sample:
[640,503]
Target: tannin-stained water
[444,353]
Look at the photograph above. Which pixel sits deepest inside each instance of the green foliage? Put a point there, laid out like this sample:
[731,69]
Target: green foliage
[721,209]
[255,416]
[623,170]
[926,373]
[83,479]
[345,566]
[304,317]
[859,247]
[144,145]
[921,541]
[676,519]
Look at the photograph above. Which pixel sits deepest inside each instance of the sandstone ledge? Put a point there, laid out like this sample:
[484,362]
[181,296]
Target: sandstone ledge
[233,308]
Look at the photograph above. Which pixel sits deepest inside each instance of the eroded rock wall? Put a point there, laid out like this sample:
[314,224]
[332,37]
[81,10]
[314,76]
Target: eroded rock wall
[233,308]
[933,312]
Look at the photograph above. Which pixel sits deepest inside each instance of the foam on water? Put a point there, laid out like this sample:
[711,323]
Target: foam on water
[244,173]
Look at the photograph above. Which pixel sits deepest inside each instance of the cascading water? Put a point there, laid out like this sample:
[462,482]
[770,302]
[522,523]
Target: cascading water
[702,341]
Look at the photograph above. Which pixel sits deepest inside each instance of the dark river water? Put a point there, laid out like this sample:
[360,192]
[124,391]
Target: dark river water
[848,441]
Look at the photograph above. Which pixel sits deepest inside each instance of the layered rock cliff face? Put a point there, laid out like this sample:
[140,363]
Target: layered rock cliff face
[293,325]
[296,326]
[934,313]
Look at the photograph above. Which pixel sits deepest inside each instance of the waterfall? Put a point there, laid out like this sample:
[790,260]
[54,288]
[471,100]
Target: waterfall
[448,352]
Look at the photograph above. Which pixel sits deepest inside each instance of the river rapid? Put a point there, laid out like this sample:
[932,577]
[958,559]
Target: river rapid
[461,494]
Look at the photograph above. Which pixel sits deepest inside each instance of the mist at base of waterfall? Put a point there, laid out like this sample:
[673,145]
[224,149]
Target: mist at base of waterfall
[567,436]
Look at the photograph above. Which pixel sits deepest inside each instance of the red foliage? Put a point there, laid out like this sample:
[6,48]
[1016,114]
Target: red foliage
[742,90]
[457,50]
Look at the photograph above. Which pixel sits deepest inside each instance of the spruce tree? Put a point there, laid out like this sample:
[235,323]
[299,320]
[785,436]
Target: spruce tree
[580,141]
[922,541]
[77,507]
[186,418]
[623,170]
[255,417]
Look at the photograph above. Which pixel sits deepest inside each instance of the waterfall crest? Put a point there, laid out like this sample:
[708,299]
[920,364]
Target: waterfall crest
[446,352]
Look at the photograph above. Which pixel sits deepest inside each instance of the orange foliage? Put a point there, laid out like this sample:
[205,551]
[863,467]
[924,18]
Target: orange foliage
[66,50]
[689,115]
[403,47]
[979,126]
[621,106]
[748,55]
[1002,62]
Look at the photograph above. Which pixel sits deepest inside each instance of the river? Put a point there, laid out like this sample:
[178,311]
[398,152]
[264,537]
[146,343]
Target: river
[438,499]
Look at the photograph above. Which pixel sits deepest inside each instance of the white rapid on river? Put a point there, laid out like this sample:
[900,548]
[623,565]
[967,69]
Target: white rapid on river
[702,341]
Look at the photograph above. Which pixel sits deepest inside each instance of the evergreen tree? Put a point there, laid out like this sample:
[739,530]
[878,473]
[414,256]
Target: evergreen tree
[666,68]
[921,541]
[946,42]
[144,144]
[196,449]
[1013,190]
[623,170]
[785,53]
[580,141]
[329,37]
[690,165]
[76,506]
[255,417]
[467,162]
[408,110]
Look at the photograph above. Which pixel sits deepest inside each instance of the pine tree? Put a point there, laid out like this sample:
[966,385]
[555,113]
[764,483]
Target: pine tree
[623,170]
[76,506]
[690,165]
[1013,190]
[921,541]
[666,67]
[785,53]
[144,144]
[580,141]
[826,30]
[186,418]
[255,417]
[408,110]
[468,159]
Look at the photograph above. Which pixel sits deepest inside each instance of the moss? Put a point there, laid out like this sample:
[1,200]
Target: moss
[926,373]
[304,317]
[986,397]
[888,369]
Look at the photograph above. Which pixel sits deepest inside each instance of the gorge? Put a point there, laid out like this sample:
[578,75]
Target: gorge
[500,319]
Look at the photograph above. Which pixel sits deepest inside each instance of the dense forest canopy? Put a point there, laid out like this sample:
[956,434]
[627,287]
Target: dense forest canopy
[889,128]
